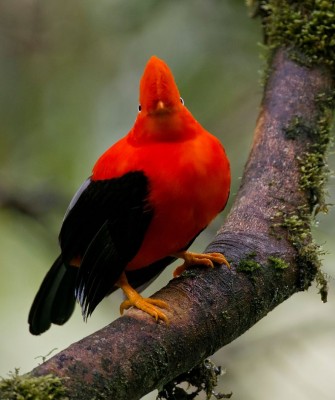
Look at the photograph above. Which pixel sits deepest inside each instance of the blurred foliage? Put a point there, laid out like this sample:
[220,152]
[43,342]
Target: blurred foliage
[69,74]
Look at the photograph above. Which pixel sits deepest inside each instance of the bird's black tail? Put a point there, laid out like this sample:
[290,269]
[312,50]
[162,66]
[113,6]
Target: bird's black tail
[55,300]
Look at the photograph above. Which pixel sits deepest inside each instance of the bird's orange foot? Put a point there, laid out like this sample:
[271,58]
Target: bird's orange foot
[149,306]
[206,259]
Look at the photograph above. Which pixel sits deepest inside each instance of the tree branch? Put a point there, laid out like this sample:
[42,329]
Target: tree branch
[266,238]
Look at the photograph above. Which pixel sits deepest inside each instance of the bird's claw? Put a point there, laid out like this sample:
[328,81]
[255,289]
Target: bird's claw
[206,259]
[149,306]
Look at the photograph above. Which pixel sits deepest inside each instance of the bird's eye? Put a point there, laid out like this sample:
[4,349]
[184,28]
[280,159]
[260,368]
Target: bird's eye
[139,108]
[182,101]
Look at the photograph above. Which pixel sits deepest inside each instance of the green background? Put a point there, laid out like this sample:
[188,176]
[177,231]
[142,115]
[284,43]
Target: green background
[69,74]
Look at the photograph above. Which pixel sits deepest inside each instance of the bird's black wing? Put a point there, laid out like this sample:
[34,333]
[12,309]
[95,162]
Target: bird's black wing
[104,227]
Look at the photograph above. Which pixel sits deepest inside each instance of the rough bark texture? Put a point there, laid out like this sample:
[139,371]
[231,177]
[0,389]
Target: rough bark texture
[210,308]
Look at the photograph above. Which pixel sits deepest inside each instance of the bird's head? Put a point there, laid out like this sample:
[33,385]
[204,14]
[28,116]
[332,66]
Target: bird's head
[158,91]
[162,115]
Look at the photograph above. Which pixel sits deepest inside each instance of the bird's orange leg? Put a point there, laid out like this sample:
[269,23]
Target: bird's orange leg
[207,259]
[149,306]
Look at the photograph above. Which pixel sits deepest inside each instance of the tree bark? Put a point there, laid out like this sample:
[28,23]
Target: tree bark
[266,239]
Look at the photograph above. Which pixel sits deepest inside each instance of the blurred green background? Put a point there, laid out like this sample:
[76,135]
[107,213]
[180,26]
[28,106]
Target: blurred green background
[69,74]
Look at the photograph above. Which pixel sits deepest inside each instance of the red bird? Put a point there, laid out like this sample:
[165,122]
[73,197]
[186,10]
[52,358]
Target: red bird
[148,198]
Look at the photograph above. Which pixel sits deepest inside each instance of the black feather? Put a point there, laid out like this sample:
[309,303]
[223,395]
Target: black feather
[55,285]
[96,273]
[65,300]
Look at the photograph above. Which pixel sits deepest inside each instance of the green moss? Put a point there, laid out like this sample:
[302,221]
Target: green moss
[314,171]
[297,128]
[322,284]
[189,273]
[27,387]
[297,225]
[306,27]
[199,382]
[248,264]
[277,263]
[225,315]
[314,174]
[326,100]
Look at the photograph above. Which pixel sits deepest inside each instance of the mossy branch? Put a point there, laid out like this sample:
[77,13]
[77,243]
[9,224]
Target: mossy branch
[266,238]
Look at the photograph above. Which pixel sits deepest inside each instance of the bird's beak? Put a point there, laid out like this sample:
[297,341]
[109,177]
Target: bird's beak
[160,107]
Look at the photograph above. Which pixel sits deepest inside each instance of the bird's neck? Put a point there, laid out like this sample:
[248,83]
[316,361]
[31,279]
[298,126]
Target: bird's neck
[170,127]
